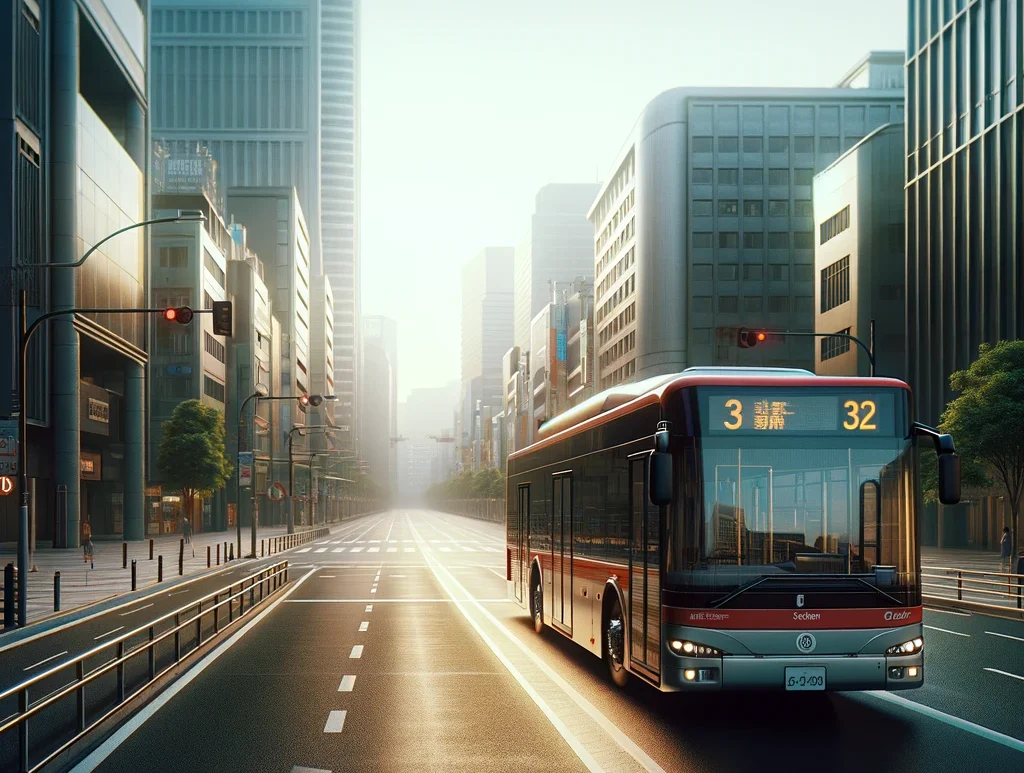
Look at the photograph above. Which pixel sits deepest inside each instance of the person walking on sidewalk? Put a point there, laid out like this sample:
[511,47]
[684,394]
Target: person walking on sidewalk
[88,552]
[1004,551]
[186,529]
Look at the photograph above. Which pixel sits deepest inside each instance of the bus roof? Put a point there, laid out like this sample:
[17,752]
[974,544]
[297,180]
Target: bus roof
[625,398]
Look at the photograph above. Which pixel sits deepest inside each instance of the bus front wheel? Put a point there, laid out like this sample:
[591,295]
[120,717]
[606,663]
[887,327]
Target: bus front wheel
[537,603]
[615,643]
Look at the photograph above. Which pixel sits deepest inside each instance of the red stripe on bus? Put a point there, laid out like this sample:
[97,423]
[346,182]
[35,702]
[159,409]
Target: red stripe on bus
[792,619]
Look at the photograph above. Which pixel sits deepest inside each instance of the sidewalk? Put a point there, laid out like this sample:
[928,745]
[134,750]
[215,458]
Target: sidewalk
[979,560]
[984,589]
[82,585]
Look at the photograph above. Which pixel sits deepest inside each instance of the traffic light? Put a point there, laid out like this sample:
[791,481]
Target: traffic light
[182,315]
[222,318]
[313,400]
[748,339]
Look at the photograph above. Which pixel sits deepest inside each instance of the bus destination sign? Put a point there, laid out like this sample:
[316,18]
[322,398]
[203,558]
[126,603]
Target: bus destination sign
[765,412]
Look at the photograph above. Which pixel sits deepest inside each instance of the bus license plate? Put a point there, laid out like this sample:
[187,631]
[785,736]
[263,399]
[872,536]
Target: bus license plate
[805,678]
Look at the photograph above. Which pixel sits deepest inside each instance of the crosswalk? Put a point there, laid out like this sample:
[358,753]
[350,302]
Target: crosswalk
[401,546]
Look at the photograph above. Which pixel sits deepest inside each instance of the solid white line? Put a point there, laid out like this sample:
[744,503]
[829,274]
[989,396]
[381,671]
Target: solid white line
[1004,673]
[357,652]
[1004,635]
[138,719]
[335,722]
[955,633]
[369,608]
[132,612]
[971,727]
[389,529]
[501,575]
[393,601]
[347,683]
[328,576]
[45,660]
[104,635]
[946,612]
[364,625]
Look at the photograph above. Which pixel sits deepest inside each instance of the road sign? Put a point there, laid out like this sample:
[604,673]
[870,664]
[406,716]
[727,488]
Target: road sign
[6,485]
[245,469]
[9,447]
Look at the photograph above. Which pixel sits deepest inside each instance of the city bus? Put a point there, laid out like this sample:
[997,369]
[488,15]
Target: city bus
[731,528]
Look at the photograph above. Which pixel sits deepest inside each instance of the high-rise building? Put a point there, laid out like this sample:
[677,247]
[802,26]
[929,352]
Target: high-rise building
[380,338]
[487,299]
[859,257]
[74,169]
[339,195]
[706,222]
[558,248]
[321,352]
[965,120]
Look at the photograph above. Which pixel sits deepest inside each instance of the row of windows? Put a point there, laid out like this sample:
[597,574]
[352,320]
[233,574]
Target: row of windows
[627,289]
[174,257]
[215,271]
[616,245]
[619,375]
[213,389]
[623,264]
[833,346]
[752,272]
[215,348]
[835,284]
[777,240]
[727,175]
[752,208]
[625,316]
[730,304]
[227,22]
[835,225]
[775,144]
[624,209]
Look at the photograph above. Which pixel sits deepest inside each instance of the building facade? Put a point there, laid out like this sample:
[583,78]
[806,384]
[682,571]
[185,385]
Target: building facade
[859,258]
[706,223]
[380,336]
[73,113]
[321,348]
[557,249]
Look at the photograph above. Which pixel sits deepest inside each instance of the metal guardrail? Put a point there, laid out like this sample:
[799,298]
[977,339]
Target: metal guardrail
[186,620]
[994,590]
[492,510]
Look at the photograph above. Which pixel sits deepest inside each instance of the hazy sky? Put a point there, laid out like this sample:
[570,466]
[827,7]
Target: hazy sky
[470,106]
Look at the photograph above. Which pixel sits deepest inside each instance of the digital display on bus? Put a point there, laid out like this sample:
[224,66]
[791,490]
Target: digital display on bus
[768,411]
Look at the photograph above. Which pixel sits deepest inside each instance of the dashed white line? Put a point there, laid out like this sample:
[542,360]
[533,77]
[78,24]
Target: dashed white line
[347,683]
[45,660]
[363,626]
[335,722]
[303,550]
[944,630]
[320,550]
[104,635]
[338,550]
[373,590]
[1004,673]
[137,609]
[392,550]
[328,576]
[389,529]
[946,612]
[373,550]
[1004,635]
[410,550]
[369,608]
[357,652]
[357,550]
[301,769]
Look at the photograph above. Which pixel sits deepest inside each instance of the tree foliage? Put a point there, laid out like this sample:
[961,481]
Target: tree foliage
[192,458]
[488,483]
[986,421]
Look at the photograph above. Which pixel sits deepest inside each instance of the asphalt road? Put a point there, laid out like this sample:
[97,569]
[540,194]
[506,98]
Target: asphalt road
[395,649]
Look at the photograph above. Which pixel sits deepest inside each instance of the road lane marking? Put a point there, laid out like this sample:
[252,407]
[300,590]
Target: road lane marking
[335,722]
[946,612]
[338,550]
[501,575]
[303,550]
[1004,635]
[944,630]
[301,769]
[179,592]
[347,683]
[132,612]
[357,550]
[971,727]
[375,541]
[320,550]
[45,660]
[392,550]
[357,652]
[104,635]
[369,608]
[373,590]
[363,626]
[328,576]
[389,529]
[392,601]
[102,752]
[373,550]
[1004,673]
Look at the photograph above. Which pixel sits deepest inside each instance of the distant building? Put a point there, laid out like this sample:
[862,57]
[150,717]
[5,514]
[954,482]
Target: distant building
[379,423]
[321,368]
[558,248]
[706,222]
[859,257]
[427,455]
[515,369]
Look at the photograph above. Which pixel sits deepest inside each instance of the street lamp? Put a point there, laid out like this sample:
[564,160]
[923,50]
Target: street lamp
[291,467]
[260,391]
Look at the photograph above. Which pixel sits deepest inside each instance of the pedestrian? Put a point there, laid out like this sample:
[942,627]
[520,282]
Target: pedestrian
[88,553]
[1004,550]
[186,529]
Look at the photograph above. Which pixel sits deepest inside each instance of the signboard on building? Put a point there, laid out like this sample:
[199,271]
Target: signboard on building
[9,447]
[245,460]
[90,464]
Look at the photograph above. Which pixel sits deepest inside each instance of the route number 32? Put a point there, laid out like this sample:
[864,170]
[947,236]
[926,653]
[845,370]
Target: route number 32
[860,416]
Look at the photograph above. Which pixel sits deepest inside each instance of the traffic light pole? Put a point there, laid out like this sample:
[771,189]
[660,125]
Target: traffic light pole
[868,350]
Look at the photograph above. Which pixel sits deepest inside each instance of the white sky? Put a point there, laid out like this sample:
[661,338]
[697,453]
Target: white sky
[470,106]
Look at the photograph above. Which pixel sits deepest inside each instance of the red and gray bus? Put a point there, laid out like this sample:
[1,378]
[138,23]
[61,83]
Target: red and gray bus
[731,528]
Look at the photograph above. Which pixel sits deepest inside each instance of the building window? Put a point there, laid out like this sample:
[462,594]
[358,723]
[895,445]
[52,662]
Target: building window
[728,144]
[778,144]
[803,208]
[702,304]
[778,208]
[778,240]
[829,144]
[727,176]
[803,273]
[802,176]
[728,207]
[835,225]
[803,144]
[778,304]
[778,272]
[752,145]
[702,208]
[702,272]
[728,304]
[215,271]
[215,348]
[702,177]
[833,346]
[835,284]
[702,145]
[727,239]
[174,388]
[753,208]
[804,304]
[753,241]
[727,272]
[702,240]
[174,257]
[778,177]
[752,304]
[213,389]
[803,240]
[753,272]
[753,176]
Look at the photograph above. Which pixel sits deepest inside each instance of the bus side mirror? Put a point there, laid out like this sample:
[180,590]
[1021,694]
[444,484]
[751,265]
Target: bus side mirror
[949,479]
[660,478]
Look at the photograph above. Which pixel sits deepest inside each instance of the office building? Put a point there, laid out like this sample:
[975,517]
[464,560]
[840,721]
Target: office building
[73,114]
[321,349]
[487,300]
[706,223]
[339,195]
[558,248]
[515,372]
[427,454]
[965,270]
[859,257]
[379,412]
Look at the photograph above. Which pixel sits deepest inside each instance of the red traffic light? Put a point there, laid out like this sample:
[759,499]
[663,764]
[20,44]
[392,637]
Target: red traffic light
[761,336]
[170,314]
[748,339]
[182,315]
[304,399]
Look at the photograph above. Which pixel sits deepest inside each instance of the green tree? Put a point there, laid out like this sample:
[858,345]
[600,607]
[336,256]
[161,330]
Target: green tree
[986,421]
[192,458]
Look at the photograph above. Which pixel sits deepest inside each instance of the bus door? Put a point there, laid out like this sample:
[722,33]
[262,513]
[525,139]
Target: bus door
[561,552]
[522,541]
[644,573]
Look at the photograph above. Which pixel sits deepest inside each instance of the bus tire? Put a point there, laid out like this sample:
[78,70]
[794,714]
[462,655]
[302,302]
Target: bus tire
[614,638]
[536,601]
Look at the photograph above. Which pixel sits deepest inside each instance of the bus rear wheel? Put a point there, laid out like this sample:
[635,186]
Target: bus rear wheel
[537,603]
[615,644]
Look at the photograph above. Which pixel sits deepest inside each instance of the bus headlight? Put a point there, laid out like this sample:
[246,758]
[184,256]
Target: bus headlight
[907,648]
[693,650]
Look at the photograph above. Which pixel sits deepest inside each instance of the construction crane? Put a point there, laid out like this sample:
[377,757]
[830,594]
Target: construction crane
[442,438]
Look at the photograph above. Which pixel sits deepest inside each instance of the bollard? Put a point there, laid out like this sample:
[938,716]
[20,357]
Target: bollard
[232,551]
[160,568]
[56,591]
[262,549]
[134,575]
[181,556]
[218,554]
[226,559]
[150,548]
[124,555]
[207,556]
[9,591]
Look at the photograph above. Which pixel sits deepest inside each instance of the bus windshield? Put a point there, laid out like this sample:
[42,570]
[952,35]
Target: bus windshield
[822,512]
